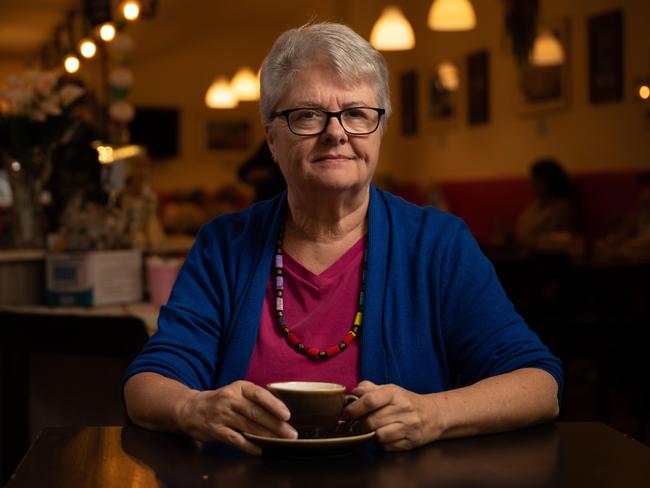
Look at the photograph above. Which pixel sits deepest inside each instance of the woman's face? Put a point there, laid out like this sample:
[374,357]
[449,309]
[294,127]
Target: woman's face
[333,160]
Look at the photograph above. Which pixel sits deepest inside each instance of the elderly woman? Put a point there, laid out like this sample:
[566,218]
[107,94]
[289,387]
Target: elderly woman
[337,281]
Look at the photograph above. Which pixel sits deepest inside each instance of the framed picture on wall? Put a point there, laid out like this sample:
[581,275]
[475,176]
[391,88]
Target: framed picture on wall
[444,85]
[546,87]
[228,134]
[478,87]
[409,99]
[605,40]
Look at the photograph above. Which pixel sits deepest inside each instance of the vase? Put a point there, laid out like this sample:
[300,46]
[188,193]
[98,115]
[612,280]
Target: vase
[27,220]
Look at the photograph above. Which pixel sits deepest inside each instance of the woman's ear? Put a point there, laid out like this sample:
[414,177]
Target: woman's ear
[270,141]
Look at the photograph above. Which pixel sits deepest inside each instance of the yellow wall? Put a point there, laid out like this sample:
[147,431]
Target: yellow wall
[585,137]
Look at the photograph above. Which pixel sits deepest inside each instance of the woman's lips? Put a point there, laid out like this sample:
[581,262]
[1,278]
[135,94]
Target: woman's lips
[332,158]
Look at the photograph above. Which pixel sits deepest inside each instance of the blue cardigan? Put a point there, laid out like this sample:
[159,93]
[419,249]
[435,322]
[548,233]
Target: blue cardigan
[436,316]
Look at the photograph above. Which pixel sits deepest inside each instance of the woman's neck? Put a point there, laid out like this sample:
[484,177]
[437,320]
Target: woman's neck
[324,220]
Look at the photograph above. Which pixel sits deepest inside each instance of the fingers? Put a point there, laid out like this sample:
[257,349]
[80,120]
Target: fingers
[364,387]
[256,420]
[369,402]
[266,400]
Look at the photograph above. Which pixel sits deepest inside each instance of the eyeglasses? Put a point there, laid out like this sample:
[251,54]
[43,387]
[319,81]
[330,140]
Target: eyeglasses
[355,121]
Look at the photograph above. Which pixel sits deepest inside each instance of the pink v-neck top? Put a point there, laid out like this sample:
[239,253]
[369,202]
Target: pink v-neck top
[320,309]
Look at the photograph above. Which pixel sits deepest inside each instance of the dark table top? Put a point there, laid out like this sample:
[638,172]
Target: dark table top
[581,454]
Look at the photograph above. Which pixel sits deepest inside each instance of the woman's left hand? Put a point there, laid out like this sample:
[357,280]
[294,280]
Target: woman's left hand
[402,419]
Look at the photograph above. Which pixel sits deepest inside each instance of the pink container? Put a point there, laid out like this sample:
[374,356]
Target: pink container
[161,275]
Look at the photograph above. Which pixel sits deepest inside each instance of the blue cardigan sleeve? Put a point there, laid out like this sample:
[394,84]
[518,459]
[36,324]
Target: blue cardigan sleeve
[484,334]
[185,348]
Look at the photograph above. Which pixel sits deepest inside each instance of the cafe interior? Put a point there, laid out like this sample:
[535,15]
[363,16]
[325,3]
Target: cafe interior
[127,125]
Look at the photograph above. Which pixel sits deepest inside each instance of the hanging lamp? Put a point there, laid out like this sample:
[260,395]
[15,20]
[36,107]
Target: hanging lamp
[392,31]
[451,15]
[547,50]
[220,95]
[245,85]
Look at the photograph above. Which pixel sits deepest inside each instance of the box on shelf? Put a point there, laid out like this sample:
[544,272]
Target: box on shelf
[94,278]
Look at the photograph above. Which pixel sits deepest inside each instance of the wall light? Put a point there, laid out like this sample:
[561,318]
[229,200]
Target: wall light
[220,95]
[245,85]
[547,50]
[87,48]
[392,31]
[451,15]
[130,9]
[71,63]
[107,32]
[644,92]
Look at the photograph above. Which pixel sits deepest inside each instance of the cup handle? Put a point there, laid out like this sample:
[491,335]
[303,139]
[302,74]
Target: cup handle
[348,426]
[350,398]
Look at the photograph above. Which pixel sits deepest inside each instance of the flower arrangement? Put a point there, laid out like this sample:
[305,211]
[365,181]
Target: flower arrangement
[33,111]
[34,115]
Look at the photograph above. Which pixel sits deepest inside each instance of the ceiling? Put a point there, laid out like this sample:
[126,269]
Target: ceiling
[26,25]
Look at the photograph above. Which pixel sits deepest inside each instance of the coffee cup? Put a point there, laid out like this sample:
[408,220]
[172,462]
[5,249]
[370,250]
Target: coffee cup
[315,407]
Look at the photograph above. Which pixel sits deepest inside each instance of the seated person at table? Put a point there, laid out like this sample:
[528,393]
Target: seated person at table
[631,238]
[551,222]
[335,280]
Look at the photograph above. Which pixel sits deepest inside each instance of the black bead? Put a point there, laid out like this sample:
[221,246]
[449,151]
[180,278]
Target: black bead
[355,329]
[278,271]
[342,346]
[285,331]
[300,347]
[279,313]
[322,355]
[278,292]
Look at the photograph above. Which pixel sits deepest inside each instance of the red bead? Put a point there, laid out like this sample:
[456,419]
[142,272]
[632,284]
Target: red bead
[332,350]
[312,351]
[348,338]
[293,338]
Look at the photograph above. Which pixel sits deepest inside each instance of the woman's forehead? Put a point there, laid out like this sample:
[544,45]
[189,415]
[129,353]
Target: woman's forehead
[318,86]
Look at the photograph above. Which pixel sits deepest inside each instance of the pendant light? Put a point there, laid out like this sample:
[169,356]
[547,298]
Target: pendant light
[451,15]
[71,63]
[547,50]
[245,85]
[392,31]
[220,95]
[107,32]
[87,48]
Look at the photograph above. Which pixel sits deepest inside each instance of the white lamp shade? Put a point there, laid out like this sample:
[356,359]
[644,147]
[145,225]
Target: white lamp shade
[547,50]
[448,75]
[451,15]
[220,95]
[392,32]
[245,85]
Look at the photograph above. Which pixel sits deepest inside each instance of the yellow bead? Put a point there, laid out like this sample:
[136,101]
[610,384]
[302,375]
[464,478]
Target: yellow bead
[358,318]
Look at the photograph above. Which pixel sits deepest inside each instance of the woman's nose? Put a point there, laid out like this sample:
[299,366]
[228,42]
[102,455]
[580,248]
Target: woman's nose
[334,131]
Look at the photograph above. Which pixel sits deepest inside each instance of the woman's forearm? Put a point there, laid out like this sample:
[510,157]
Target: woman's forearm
[155,402]
[508,401]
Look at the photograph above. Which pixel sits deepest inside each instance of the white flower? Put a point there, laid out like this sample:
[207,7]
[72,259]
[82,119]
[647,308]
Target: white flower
[69,93]
[51,105]
[46,82]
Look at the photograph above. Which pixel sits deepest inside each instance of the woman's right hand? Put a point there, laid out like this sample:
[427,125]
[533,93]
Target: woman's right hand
[222,414]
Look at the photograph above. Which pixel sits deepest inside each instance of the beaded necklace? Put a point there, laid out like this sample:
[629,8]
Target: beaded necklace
[292,338]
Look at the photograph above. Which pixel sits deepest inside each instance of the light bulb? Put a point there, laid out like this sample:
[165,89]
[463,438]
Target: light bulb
[131,10]
[107,32]
[71,63]
[87,48]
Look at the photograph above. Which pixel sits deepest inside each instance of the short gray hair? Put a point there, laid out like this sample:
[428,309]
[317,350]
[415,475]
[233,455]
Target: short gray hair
[345,51]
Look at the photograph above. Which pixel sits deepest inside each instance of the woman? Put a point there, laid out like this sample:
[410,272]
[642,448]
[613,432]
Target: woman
[554,213]
[421,330]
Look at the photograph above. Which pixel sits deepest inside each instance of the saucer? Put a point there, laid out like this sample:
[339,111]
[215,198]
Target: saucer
[326,446]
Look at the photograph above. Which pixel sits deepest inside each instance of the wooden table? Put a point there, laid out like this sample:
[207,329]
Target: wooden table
[582,454]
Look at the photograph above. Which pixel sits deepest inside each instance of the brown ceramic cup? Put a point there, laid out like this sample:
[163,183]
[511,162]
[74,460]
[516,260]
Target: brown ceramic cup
[315,407]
